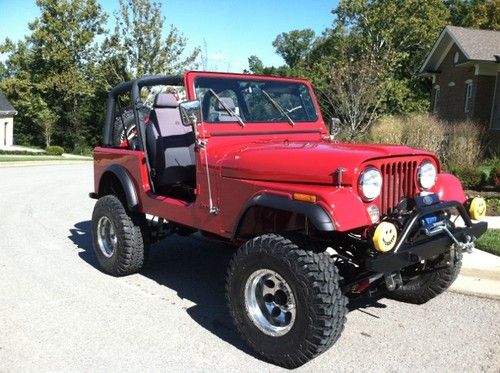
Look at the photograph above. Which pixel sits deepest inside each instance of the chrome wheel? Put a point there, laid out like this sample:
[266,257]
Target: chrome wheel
[106,236]
[270,302]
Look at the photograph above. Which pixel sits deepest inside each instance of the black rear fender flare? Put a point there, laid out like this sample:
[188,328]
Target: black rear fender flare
[127,185]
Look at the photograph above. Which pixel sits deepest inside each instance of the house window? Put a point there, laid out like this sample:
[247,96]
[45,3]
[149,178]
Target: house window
[455,58]
[468,96]
[437,96]
[5,134]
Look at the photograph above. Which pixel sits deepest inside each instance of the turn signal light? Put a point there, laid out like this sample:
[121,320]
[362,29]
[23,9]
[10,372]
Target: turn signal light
[304,197]
[477,208]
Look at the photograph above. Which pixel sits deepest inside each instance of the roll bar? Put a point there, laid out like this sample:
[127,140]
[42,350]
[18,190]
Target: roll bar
[134,87]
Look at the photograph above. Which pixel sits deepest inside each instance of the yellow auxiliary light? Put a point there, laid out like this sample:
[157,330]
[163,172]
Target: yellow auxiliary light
[477,208]
[385,237]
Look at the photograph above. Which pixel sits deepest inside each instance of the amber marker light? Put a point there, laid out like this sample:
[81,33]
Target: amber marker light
[304,197]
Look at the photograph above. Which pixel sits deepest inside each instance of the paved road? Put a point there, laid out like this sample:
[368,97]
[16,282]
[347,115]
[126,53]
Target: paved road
[59,313]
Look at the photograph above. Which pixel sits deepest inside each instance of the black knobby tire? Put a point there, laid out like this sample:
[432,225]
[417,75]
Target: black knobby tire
[131,242]
[424,287]
[314,280]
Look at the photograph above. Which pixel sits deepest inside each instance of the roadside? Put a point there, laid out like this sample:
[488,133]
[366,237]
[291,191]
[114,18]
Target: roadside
[41,161]
[37,158]
[18,148]
[480,274]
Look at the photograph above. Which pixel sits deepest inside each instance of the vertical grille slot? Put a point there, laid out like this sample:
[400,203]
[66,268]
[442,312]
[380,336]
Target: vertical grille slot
[398,183]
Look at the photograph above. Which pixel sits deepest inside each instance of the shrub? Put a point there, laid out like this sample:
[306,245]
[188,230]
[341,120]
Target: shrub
[459,146]
[493,207]
[424,131]
[388,130]
[54,150]
[416,130]
[465,146]
[82,150]
[20,152]
[471,178]
[496,177]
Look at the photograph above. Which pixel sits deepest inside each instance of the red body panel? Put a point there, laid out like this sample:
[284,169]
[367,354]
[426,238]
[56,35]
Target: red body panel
[277,158]
[449,188]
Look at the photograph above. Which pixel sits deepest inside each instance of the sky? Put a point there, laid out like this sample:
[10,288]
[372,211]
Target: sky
[232,30]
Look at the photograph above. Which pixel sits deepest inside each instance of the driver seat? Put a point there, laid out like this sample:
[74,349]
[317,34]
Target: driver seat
[170,146]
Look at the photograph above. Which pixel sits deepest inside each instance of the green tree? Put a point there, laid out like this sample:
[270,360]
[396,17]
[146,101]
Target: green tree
[293,46]
[137,47]
[482,14]
[255,65]
[403,32]
[53,66]
[3,71]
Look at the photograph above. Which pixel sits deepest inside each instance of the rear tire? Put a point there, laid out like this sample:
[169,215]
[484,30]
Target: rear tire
[426,286]
[118,237]
[299,320]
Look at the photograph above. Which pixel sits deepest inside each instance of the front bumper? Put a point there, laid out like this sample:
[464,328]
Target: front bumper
[407,253]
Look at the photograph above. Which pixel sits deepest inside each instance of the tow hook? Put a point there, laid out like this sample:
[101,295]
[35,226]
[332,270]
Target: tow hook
[393,280]
[466,246]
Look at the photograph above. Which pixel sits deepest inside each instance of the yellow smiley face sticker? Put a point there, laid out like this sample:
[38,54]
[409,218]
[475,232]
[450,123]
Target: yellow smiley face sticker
[385,237]
[477,208]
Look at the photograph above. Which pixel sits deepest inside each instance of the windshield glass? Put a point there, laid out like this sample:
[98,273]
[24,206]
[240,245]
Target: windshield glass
[247,99]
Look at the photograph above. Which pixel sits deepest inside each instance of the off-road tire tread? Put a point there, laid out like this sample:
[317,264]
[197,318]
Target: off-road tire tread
[319,277]
[131,247]
[427,286]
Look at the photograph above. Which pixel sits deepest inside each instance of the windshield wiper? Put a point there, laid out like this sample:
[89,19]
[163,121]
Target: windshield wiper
[229,111]
[279,108]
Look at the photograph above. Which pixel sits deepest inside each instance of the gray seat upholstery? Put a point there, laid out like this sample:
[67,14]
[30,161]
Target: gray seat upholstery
[170,145]
[221,115]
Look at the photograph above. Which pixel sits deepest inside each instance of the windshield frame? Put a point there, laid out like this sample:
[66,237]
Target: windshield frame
[193,76]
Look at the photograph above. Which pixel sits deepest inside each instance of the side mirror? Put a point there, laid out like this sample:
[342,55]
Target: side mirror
[334,128]
[190,112]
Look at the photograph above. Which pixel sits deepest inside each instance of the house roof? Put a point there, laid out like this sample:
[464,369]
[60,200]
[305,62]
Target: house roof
[476,45]
[6,107]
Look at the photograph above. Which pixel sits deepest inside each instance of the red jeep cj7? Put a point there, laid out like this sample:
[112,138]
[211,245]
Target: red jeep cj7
[248,159]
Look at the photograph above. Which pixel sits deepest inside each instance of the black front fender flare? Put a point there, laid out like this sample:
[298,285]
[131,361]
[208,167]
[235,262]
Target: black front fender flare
[315,213]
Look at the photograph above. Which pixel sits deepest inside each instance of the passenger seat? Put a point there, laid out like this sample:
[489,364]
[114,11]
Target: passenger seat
[170,145]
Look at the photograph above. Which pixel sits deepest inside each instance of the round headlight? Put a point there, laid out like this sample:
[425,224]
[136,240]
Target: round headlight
[426,175]
[370,183]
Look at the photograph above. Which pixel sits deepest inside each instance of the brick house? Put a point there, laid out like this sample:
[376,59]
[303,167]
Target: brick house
[465,68]
[7,113]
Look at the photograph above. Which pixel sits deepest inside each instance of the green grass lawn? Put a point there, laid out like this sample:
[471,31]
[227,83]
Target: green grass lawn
[490,241]
[37,158]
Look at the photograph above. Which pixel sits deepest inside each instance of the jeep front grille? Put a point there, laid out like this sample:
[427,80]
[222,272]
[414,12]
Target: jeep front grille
[398,182]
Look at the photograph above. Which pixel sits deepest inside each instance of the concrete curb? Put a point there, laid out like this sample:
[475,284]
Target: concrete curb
[480,275]
[493,222]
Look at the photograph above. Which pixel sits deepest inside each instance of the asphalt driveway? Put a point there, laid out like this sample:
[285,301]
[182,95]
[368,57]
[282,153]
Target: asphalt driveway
[58,312]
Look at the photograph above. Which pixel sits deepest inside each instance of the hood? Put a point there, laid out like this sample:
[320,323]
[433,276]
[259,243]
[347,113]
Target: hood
[311,162]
